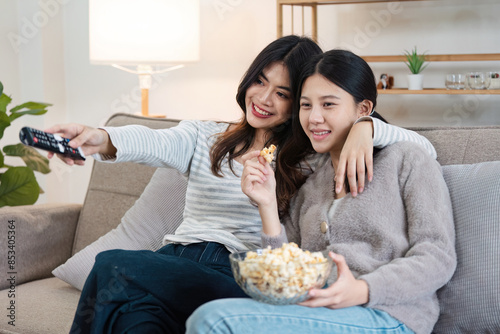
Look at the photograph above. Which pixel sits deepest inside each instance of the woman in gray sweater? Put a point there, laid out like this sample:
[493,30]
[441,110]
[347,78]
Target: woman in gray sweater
[393,245]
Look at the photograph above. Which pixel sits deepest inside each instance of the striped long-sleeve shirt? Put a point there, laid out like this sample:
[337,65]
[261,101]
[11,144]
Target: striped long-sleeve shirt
[216,209]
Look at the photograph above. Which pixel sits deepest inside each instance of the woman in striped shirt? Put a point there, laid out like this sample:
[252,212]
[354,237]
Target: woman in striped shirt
[150,292]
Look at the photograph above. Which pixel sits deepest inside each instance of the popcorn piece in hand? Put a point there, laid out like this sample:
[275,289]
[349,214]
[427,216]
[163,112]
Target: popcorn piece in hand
[268,153]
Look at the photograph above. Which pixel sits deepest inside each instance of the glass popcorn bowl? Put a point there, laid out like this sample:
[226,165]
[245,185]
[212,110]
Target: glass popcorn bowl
[278,282]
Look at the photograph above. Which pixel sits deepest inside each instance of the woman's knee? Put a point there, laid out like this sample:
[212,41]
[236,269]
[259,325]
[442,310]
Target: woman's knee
[108,258]
[117,258]
[213,317]
[204,317]
[114,267]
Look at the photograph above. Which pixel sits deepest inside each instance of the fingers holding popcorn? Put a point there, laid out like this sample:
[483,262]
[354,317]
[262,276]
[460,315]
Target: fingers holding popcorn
[255,169]
[258,183]
[257,180]
[252,155]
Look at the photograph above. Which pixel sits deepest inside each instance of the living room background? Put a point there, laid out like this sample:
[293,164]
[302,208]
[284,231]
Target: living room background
[45,58]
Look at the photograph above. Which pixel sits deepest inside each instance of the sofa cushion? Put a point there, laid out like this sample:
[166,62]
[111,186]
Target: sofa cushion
[44,306]
[464,145]
[42,240]
[114,188]
[157,212]
[470,302]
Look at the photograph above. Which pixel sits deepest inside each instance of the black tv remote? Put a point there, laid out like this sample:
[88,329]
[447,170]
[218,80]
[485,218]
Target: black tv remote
[49,142]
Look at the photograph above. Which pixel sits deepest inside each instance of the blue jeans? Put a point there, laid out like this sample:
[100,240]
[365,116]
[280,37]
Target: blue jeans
[241,316]
[153,292]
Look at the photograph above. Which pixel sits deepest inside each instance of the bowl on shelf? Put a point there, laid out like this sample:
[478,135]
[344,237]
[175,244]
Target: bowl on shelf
[282,276]
[494,80]
[478,80]
[455,81]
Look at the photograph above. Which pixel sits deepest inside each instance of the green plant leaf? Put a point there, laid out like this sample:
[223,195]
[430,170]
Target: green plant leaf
[27,112]
[4,123]
[2,160]
[18,186]
[28,108]
[4,101]
[30,156]
[31,106]
[415,61]
[1,88]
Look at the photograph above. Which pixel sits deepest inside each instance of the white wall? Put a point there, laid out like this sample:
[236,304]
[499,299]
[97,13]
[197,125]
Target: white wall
[51,64]
[437,27]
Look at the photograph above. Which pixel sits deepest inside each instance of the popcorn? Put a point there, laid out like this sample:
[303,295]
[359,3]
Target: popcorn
[268,153]
[284,272]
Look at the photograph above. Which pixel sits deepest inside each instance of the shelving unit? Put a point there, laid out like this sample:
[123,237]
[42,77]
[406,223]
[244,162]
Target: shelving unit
[313,4]
[439,91]
[436,58]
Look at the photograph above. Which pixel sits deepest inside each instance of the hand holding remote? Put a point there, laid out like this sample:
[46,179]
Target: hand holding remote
[89,139]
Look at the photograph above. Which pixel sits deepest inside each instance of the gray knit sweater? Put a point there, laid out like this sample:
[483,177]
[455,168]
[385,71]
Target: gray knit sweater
[398,235]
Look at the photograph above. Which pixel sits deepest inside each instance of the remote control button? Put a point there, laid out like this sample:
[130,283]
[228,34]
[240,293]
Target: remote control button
[61,148]
[58,138]
[35,139]
[81,152]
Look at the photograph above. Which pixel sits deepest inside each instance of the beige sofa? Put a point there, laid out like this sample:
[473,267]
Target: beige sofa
[47,235]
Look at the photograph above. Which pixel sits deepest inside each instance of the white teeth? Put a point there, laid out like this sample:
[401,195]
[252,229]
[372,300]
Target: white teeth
[260,111]
[320,133]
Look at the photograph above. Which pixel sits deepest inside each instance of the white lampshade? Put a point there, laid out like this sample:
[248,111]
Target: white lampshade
[132,32]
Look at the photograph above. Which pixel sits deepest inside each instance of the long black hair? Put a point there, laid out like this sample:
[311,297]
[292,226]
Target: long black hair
[293,51]
[349,72]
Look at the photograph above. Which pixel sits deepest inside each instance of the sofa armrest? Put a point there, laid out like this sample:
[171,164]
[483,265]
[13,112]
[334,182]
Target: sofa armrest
[34,239]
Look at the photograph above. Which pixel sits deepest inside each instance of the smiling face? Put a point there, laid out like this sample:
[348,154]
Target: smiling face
[268,100]
[327,113]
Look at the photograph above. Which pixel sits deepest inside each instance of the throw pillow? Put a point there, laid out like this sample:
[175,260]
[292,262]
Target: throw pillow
[157,212]
[470,302]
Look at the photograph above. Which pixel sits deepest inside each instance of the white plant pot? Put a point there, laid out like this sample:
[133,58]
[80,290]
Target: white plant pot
[415,81]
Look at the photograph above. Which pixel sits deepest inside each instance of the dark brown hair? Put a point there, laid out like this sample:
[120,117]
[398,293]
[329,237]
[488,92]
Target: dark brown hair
[293,51]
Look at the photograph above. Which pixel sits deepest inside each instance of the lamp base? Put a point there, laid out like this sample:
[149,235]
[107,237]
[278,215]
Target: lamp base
[145,72]
[145,105]
[151,115]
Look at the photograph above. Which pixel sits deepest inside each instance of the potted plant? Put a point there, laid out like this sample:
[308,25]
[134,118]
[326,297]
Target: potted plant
[18,184]
[415,63]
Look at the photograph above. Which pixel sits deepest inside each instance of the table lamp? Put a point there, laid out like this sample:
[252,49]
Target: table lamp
[143,33]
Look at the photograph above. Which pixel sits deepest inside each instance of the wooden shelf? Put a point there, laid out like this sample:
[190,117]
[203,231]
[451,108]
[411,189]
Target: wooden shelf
[451,57]
[436,91]
[334,2]
[313,4]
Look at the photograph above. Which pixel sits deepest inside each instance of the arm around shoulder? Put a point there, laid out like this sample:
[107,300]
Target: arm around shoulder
[385,134]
